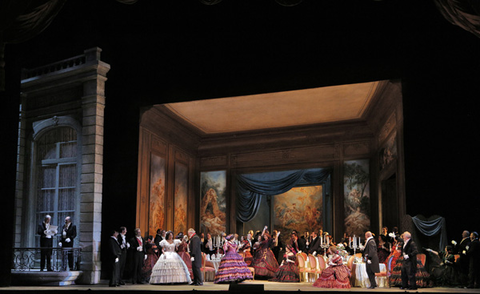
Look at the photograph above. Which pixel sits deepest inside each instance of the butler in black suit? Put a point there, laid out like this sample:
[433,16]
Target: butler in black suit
[137,249]
[46,242]
[463,261]
[196,254]
[69,232]
[371,259]
[124,246]
[409,266]
[113,258]
[473,253]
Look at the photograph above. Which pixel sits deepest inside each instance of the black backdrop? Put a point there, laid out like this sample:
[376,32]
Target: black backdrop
[167,51]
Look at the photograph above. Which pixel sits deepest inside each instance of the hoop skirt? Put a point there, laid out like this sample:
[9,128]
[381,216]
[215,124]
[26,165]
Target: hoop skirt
[422,277]
[232,268]
[264,261]
[336,275]
[150,262]
[445,273]
[182,251]
[170,267]
[288,271]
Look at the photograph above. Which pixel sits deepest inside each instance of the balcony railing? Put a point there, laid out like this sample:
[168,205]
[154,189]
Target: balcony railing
[28,259]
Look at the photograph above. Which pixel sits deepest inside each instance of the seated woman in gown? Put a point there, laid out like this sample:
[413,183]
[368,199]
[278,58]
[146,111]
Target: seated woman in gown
[445,274]
[232,268]
[170,267]
[336,275]
[288,270]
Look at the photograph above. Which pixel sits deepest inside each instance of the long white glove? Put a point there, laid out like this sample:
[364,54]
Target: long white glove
[405,256]
[116,259]
[139,248]
[192,258]
[68,240]
[369,261]
[128,245]
[145,257]
[454,242]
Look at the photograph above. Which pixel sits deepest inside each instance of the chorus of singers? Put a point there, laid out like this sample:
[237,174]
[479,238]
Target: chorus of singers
[167,258]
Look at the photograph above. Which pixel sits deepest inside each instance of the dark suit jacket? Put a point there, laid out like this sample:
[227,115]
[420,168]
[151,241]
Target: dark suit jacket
[302,244]
[157,240]
[314,246]
[473,253]
[114,249]
[462,246]
[44,241]
[196,250]
[370,253]
[133,247]
[411,250]
[71,233]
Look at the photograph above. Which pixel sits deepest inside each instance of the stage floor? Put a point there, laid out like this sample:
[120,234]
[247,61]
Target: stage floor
[209,287]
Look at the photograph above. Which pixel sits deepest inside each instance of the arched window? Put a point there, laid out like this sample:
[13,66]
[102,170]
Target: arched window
[57,176]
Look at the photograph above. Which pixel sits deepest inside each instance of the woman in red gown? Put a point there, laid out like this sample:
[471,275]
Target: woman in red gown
[264,261]
[336,275]
[182,251]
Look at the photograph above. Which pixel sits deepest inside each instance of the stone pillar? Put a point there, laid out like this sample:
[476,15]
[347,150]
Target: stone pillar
[93,104]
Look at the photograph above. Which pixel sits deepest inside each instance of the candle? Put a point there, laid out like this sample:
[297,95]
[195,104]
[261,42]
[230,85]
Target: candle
[359,243]
[349,242]
[354,242]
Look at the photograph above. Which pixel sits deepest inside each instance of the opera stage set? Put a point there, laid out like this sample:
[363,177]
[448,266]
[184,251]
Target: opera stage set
[198,118]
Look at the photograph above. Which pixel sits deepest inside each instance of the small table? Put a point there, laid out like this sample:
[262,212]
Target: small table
[360,277]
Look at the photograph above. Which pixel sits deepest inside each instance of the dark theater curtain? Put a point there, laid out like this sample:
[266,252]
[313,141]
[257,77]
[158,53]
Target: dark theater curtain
[252,187]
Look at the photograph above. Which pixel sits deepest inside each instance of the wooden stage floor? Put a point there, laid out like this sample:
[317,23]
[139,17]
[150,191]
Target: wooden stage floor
[209,287]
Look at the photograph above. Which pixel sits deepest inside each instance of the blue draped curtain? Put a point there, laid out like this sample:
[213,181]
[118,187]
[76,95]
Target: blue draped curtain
[252,187]
[431,228]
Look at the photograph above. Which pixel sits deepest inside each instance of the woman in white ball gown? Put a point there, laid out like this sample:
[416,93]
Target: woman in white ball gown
[170,268]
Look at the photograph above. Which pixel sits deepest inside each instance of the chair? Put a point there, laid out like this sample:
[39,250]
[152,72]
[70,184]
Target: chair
[301,267]
[313,268]
[207,269]
[381,277]
[321,262]
[390,265]
[350,262]
[421,257]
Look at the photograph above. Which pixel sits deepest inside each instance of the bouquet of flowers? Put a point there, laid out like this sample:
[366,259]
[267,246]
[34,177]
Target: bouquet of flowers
[341,249]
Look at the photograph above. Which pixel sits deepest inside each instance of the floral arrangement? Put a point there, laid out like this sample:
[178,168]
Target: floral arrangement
[341,249]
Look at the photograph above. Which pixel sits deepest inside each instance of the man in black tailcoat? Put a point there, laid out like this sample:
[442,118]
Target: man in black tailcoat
[138,251]
[124,246]
[371,259]
[196,254]
[46,232]
[69,233]
[409,266]
[113,258]
[463,262]
[473,253]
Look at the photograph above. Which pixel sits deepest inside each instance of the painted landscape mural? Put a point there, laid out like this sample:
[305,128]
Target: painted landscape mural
[181,188]
[357,197]
[157,193]
[213,202]
[299,209]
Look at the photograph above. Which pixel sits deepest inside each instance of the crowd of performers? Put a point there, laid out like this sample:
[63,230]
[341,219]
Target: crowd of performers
[165,258]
